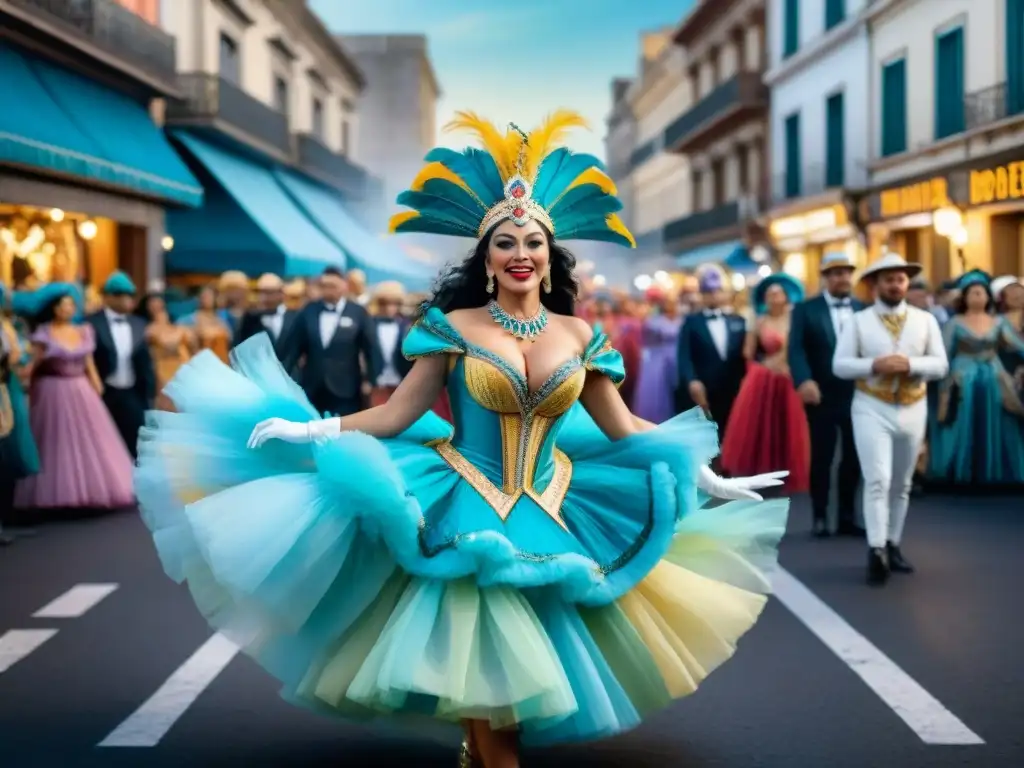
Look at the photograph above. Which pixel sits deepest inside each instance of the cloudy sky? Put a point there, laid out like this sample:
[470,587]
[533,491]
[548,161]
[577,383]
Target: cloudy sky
[517,61]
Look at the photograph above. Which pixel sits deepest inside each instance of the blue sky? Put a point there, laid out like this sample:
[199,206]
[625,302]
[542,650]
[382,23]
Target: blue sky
[517,61]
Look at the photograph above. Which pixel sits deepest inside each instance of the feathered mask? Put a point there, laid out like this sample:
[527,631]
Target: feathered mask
[516,176]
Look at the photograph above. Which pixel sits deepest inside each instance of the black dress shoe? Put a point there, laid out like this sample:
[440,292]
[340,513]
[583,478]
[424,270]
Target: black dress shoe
[878,566]
[819,529]
[897,562]
[847,528]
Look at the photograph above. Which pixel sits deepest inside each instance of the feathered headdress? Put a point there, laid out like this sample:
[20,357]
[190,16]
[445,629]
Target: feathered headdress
[515,176]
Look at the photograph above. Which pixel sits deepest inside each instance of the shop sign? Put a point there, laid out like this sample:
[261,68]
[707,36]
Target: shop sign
[996,185]
[821,220]
[922,197]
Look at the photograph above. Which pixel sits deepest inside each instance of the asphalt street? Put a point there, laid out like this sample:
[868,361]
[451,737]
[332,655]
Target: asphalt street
[926,672]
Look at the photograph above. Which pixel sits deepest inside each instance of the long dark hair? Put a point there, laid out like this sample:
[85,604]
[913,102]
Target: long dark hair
[961,300]
[464,285]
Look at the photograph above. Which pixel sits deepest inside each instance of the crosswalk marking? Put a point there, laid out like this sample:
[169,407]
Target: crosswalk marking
[16,644]
[75,602]
[925,715]
[151,722]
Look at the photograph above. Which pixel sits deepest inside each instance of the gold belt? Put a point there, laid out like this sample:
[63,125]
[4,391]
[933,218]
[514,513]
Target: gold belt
[500,501]
[905,393]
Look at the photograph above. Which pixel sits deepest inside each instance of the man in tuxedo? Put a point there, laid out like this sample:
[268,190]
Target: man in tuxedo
[122,358]
[390,329]
[710,352]
[814,327]
[271,313]
[336,338]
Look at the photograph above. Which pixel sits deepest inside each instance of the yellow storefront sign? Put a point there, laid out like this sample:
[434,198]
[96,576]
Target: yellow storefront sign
[994,185]
[923,197]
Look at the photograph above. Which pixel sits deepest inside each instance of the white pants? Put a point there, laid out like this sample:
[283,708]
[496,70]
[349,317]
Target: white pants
[888,439]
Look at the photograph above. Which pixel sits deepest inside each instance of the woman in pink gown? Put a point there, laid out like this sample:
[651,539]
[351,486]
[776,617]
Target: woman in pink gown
[84,462]
[768,425]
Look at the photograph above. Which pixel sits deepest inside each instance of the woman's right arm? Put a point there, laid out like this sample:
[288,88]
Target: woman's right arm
[413,398]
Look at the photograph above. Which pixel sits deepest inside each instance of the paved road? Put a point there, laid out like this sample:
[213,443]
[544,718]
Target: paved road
[817,683]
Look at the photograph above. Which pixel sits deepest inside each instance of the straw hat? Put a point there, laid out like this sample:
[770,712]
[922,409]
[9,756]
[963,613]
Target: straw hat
[389,290]
[232,279]
[891,262]
[836,260]
[269,282]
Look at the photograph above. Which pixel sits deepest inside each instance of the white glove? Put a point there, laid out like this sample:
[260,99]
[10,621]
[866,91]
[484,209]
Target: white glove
[294,431]
[735,488]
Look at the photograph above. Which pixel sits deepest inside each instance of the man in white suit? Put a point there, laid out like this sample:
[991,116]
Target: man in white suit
[891,350]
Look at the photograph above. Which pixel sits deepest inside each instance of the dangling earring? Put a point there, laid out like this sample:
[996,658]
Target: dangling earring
[546,281]
[490,283]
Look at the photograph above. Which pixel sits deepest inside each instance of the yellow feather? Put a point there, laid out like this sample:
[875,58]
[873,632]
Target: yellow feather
[615,225]
[399,219]
[548,137]
[437,171]
[503,148]
[595,176]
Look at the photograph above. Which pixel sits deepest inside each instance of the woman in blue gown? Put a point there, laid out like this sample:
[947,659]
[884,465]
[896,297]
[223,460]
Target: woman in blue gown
[979,434]
[540,569]
[19,456]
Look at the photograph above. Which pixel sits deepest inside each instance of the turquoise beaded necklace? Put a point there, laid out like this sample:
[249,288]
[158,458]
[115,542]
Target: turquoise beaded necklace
[527,329]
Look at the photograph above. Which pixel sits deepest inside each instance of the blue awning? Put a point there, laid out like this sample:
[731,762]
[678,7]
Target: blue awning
[379,258]
[732,254]
[248,222]
[55,120]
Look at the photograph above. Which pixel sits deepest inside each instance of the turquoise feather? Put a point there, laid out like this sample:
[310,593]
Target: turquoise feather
[586,199]
[604,235]
[474,167]
[432,226]
[560,169]
[440,208]
[455,194]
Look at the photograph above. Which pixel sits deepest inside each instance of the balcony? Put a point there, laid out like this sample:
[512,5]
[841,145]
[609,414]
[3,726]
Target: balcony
[813,180]
[711,220]
[209,100]
[337,170]
[106,31]
[728,105]
[991,105]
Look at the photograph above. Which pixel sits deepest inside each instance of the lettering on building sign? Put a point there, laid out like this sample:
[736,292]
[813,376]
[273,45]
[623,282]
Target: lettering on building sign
[923,197]
[994,185]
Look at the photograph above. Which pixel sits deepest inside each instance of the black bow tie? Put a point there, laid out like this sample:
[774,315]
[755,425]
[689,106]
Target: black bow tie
[387,320]
[712,314]
[331,308]
[120,320]
[841,303]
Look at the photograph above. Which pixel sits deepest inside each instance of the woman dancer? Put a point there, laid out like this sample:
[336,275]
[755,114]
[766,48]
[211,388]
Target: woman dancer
[531,571]
[654,398]
[768,425]
[84,461]
[979,436]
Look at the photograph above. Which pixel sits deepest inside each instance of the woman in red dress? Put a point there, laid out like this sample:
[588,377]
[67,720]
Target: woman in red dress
[768,426]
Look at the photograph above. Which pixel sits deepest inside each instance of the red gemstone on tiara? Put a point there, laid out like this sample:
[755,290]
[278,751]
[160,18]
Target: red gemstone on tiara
[518,192]
[519,213]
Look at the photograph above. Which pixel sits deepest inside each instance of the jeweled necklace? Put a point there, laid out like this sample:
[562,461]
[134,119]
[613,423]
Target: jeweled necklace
[526,329]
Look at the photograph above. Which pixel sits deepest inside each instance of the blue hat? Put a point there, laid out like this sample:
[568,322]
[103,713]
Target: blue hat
[836,260]
[118,284]
[794,290]
[31,304]
[710,278]
[974,277]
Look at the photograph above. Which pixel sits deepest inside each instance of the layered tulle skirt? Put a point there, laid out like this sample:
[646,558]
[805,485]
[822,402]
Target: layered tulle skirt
[768,429]
[314,559]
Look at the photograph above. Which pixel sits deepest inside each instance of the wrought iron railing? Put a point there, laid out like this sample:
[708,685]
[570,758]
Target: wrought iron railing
[114,29]
[992,104]
[725,215]
[743,89]
[322,161]
[813,179]
[210,97]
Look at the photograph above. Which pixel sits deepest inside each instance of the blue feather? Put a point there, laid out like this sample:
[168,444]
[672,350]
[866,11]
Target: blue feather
[604,235]
[588,199]
[440,208]
[474,167]
[560,169]
[455,194]
[432,226]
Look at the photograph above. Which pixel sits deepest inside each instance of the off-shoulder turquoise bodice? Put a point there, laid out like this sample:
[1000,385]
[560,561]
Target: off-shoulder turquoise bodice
[505,436]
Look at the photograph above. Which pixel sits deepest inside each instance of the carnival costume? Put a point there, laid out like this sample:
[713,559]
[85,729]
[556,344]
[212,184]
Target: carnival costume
[513,566]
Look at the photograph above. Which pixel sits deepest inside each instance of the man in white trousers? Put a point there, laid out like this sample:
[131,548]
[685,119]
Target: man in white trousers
[892,350]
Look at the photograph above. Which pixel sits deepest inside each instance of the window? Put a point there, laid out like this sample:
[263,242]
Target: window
[835,151]
[281,101]
[230,68]
[1014,56]
[791,28]
[894,108]
[835,12]
[344,137]
[949,83]
[717,182]
[743,168]
[792,132]
[697,182]
[318,118]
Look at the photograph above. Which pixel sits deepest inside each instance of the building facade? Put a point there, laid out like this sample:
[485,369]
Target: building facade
[818,73]
[269,122]
[87,178]
[947,134]
[398,108]
[719,126]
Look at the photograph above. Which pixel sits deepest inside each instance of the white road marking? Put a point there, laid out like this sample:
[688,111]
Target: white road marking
[925,715]
[75,602]
[16,644]
[151,722]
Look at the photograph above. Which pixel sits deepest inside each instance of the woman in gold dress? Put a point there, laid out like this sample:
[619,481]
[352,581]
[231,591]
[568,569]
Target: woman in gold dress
[208,326]
[170,344]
